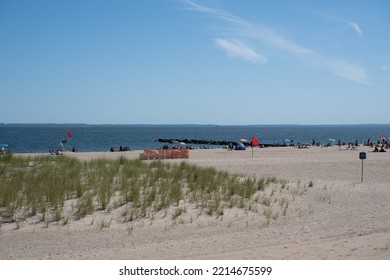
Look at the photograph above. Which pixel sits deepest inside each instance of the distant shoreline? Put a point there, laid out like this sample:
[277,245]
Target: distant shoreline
[194,125]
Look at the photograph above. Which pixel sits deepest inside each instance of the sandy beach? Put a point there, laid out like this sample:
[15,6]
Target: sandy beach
[331,214]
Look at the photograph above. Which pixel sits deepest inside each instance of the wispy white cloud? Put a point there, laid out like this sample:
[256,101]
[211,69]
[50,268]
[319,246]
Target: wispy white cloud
[221,14]
[355,27]
[244,28]
[236,48]
[345,69]
[267,36]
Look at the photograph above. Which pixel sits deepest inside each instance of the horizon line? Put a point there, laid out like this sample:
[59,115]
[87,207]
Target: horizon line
[191,124]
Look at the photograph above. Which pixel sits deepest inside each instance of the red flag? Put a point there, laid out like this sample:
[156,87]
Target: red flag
[70,134]
[255,142]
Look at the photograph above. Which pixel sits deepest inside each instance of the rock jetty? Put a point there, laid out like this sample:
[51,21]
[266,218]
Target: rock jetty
[209,142]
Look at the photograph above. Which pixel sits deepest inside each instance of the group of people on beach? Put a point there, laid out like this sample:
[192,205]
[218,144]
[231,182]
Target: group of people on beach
[178,147]
[303,146]
[382,149]
[56,152]
[121,149]
[380,145]
[59,152]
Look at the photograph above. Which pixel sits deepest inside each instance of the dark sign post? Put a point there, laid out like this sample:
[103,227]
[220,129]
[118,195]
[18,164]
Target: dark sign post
[362,156]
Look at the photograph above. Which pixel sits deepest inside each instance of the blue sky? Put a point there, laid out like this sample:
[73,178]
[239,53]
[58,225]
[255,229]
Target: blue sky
[195,62]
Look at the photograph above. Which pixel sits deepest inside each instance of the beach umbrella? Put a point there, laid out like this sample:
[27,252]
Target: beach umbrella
[243,140]
[239,146]
[331,141]
[182,143]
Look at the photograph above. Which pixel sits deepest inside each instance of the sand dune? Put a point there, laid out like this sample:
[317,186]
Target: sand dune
[338,217]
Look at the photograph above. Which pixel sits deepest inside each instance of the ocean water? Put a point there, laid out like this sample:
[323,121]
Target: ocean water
[26,138]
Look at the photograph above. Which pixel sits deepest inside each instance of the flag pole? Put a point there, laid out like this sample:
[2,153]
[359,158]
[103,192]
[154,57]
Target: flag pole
[255,142]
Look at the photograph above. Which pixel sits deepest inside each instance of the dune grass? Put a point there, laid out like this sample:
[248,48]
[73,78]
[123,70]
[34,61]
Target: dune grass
[40,187]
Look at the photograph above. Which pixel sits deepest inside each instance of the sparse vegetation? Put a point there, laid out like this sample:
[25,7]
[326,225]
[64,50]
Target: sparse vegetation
[104,224]
[41,186]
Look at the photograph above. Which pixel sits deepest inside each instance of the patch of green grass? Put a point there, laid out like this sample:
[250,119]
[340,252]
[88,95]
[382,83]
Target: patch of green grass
[85,205]
[41,186]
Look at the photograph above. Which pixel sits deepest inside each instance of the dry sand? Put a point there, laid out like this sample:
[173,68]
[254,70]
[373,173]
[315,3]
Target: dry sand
[338,218]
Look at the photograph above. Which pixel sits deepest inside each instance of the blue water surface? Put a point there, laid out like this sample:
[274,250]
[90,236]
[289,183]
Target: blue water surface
[26,138]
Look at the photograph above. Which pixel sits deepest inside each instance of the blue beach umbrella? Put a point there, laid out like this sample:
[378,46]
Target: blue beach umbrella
[239,146]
